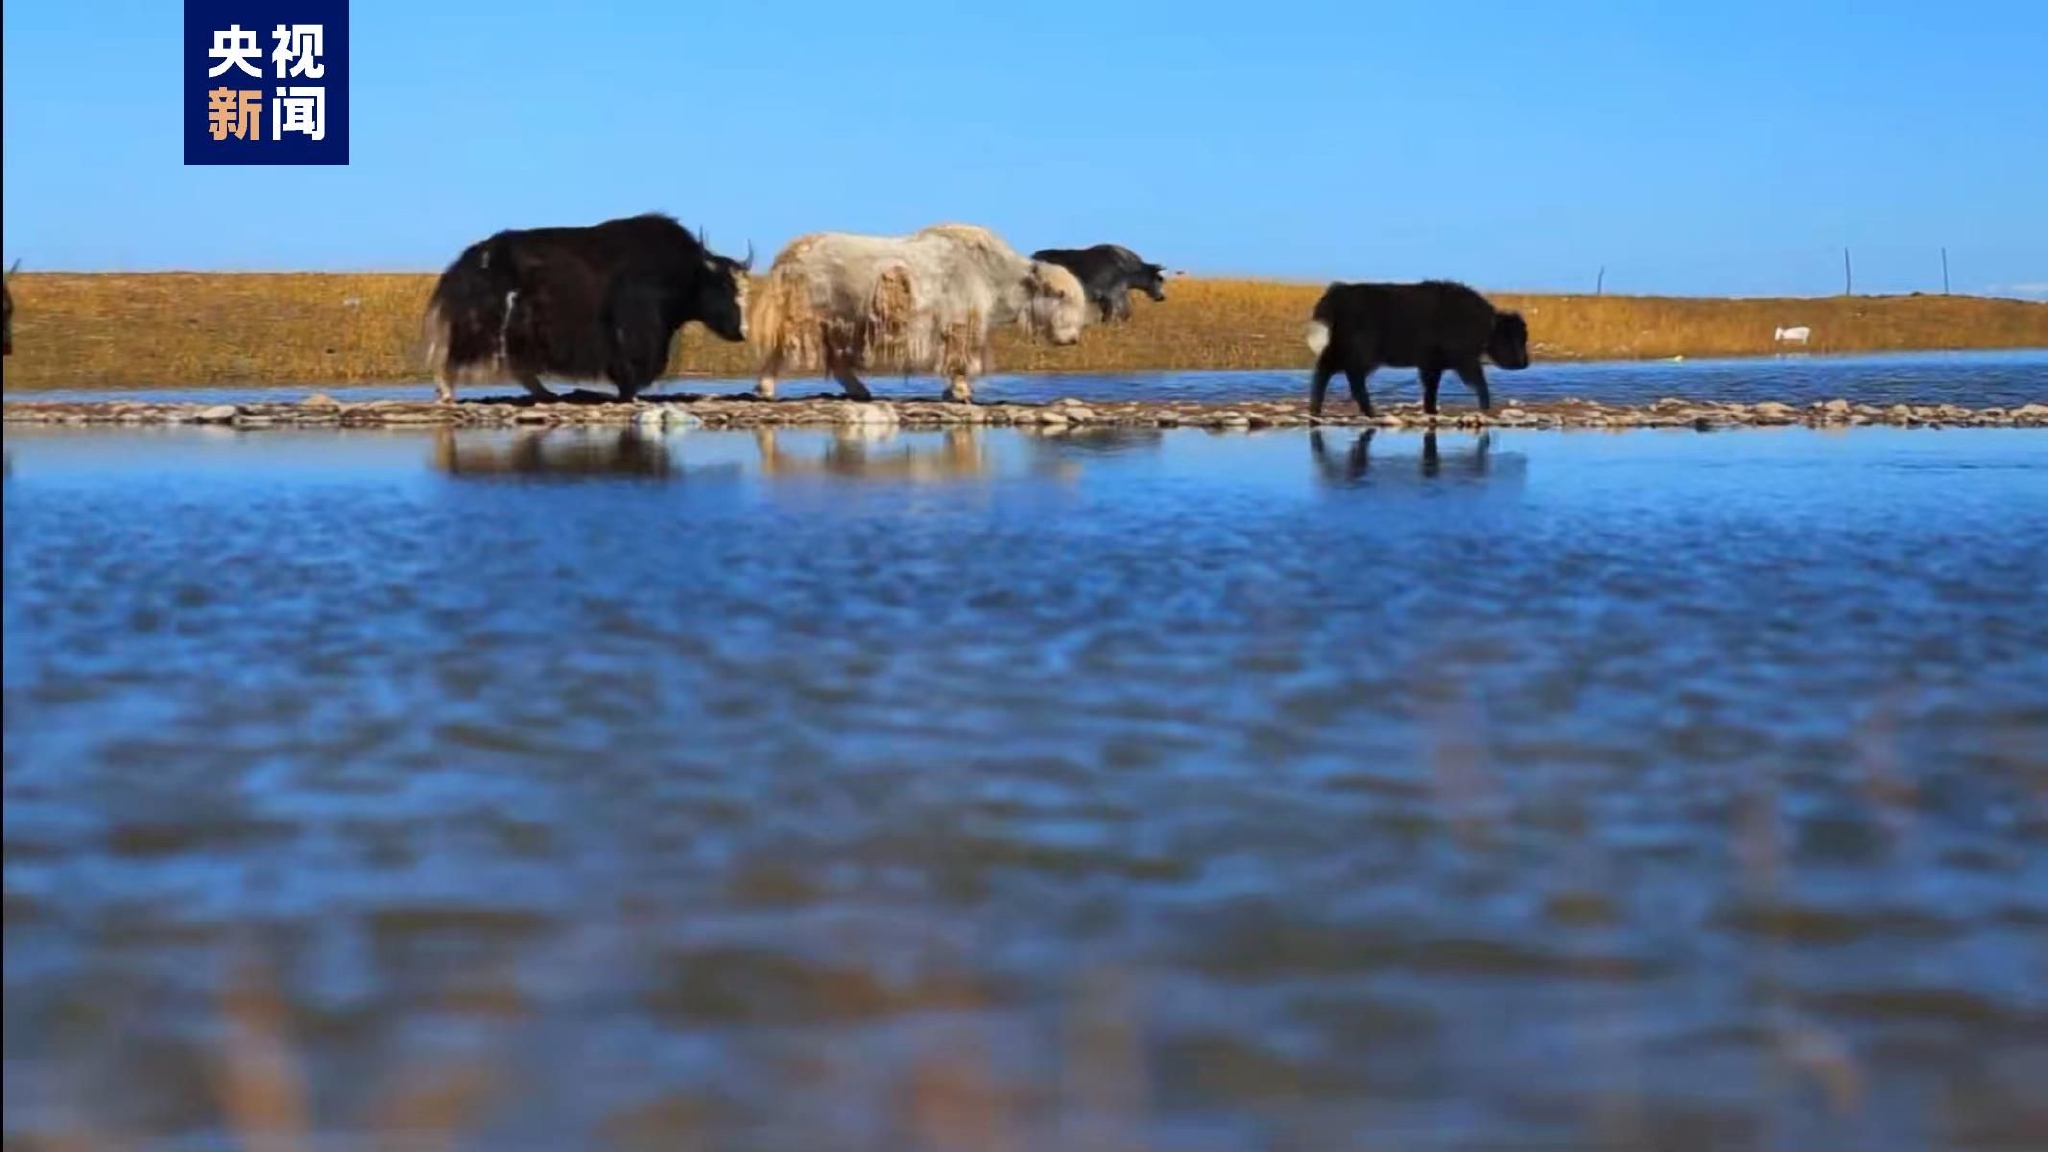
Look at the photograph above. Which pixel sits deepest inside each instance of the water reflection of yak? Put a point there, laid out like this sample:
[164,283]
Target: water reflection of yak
[1355,466]
[851,452]
[554,452]
[1109,440]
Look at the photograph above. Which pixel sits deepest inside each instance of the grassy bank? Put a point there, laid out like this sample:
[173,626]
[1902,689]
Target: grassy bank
[170,329]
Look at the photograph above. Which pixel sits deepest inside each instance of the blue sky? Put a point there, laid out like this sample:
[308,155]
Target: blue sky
[1724,148]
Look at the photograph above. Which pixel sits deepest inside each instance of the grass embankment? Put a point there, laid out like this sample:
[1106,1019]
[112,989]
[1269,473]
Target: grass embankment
[176,329]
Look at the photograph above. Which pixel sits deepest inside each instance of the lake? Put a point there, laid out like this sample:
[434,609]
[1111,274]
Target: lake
[1159,789]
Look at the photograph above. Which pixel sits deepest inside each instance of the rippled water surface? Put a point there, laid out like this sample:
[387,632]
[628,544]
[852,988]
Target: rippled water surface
[1163,790]
[2005,377]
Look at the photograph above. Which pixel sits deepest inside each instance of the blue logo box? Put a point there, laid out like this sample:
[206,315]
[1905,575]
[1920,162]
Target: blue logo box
[266,81]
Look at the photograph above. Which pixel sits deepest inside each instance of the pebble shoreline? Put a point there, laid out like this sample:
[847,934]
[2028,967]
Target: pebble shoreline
[585,409]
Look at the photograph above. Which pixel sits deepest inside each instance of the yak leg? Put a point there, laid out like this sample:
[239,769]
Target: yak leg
[1355,374]
[964,352]
[764,384]
[444,387]
[1432,375]
[840,362]
[534,386]
[635,377]
[1319,384]
[1475,378]
[641,340]
[855,390]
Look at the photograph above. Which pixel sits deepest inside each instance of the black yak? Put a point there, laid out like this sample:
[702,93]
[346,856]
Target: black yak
[601,302]
[1108,272]
[1429,326]
[7,314]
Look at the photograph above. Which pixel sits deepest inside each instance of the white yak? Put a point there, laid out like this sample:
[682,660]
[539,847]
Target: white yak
[926,302]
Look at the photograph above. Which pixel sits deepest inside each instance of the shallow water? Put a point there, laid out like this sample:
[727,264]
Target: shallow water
[1157,789]
[2002,378]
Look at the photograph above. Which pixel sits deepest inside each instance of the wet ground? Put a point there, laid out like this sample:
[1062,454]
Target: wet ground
[989,788]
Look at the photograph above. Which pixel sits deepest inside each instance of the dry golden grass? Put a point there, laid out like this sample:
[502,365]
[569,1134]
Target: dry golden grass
[119,330]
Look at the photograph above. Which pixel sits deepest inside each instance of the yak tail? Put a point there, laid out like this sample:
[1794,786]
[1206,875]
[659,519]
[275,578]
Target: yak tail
[1321,320]
[1318,336]
[437,339]
[434,339]
[469,317]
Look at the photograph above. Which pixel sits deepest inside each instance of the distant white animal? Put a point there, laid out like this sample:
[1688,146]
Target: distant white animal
[1793,335]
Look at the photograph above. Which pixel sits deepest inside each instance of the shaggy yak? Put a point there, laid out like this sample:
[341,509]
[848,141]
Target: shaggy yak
[600,302]
[1429,326]
[1108,272]
[925,302]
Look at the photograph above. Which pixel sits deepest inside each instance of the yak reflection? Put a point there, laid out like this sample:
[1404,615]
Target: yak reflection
[867,453]
[1110,440]
[555,452]
[1059,454]
[1355,464]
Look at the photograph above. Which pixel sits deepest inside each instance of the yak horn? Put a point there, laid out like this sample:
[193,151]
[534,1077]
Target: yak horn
[748,264]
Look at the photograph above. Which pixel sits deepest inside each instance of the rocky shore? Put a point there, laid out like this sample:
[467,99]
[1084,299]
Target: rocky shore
[322,411]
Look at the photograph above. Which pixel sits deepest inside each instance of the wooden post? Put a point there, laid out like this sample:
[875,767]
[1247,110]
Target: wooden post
[1944,270]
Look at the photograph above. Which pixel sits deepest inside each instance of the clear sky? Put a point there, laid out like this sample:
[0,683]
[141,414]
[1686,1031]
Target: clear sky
[1731,147]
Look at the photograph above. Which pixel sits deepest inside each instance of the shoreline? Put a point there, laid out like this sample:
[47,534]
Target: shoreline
[112,393]
[685,410]
[130,331]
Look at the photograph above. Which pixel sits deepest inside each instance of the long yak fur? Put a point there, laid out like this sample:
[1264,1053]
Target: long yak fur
[597,302]
[926,302]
